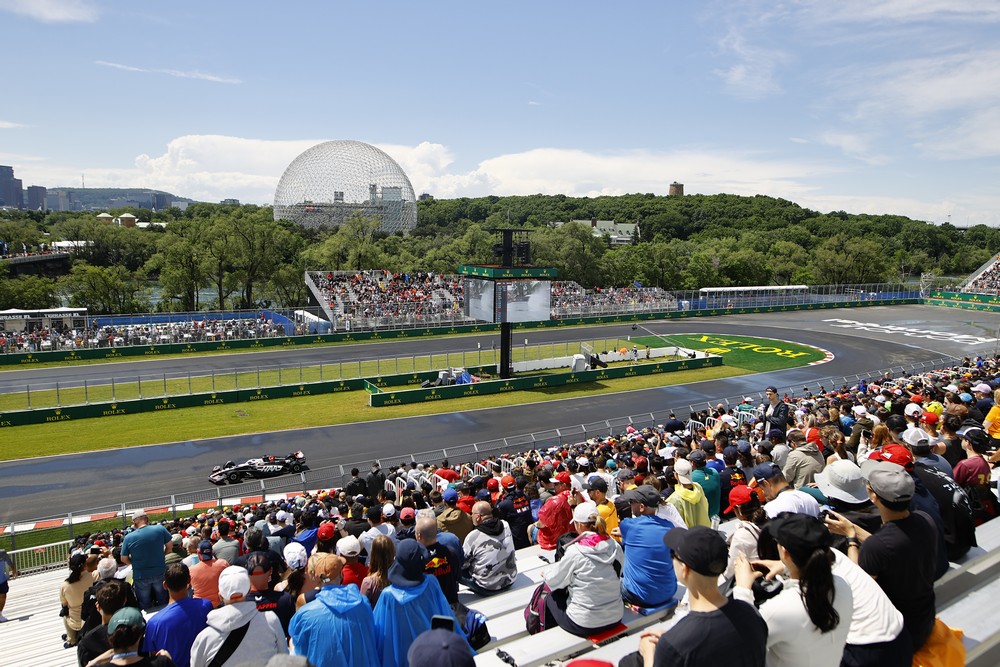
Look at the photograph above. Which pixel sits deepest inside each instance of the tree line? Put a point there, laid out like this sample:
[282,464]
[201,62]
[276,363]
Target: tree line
[245,259]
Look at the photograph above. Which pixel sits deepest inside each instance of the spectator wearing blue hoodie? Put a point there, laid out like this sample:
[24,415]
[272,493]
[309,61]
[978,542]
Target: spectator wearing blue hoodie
[337,627]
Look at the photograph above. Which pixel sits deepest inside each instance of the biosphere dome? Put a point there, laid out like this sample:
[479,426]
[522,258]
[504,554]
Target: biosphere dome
[332,181]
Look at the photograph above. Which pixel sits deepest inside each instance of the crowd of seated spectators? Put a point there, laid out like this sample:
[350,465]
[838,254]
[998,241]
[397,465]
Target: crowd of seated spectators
[68,338]
[853,500]
[988,282]
[570,299]
[381,298]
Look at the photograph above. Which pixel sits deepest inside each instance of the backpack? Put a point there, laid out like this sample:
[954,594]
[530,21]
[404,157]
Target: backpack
[473,623]
[982,502]
[534,613]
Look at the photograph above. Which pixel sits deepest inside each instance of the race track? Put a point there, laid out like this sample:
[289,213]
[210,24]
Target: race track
[862,340]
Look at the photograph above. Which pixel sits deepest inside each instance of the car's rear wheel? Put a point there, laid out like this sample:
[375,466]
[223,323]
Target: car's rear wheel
[233,478]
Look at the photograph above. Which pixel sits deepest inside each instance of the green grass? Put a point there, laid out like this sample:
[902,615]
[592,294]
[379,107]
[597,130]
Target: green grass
[131,387]
[739,351]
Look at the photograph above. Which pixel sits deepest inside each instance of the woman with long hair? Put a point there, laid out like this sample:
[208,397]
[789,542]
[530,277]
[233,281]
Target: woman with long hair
[745,504]
[383,555]
[808,621]
[71,595]
[837,443]
[586,593]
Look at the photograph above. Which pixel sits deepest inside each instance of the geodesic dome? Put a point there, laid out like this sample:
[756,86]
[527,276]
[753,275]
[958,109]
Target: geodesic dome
[334,180]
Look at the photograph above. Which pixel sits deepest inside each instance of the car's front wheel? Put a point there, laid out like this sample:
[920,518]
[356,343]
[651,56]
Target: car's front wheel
[296,467]
[233,478]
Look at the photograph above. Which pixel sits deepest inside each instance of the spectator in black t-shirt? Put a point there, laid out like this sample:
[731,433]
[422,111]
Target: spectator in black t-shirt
[440,564]
[109,598]
[731,475]
[259,567]
[901,555]
[717,630]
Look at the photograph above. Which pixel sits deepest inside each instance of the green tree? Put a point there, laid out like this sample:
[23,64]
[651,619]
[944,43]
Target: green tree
[106,290]
[847,260]
[182,262]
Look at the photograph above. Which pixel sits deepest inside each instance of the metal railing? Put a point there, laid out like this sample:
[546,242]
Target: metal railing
[336,476]
[41,395]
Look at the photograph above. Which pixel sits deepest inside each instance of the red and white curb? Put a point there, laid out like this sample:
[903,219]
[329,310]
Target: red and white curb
[161,509]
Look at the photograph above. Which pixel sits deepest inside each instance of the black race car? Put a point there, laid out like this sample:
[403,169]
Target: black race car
[265,466]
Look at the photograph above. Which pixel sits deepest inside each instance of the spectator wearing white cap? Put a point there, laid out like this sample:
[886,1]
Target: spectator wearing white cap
[586,596]
[983,394]
[349,548]
[261,632]
[902,554]
[377,527]
[688,497]
[862,422]
[991,422]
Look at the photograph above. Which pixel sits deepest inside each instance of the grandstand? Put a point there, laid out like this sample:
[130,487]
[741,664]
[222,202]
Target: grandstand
[984,280]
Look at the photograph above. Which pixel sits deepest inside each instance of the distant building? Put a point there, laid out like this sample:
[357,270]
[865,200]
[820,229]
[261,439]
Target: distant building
[230,202]
[125,220]
[160,201]
[105,217]
[60,200]
[11,189]
[676,189]
[37,198]
[620,233]
[425,197]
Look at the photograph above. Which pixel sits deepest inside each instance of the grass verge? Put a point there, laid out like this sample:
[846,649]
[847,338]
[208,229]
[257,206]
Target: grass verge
[756,355]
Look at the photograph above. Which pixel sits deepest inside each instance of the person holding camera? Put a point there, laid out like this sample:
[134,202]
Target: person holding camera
[808,620]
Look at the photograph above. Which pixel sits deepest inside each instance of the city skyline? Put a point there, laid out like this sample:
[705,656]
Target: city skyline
[888,107]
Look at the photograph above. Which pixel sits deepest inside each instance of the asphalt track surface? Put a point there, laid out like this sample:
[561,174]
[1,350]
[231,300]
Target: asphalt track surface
[50,486]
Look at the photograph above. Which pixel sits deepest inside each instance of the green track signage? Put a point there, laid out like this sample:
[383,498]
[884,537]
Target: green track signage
[426,395]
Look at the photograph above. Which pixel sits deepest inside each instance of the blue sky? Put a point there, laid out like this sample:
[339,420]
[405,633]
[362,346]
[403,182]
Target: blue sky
[863,106]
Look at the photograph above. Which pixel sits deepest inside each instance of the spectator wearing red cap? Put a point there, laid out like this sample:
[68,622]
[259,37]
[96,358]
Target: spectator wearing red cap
[806,458]
[493,486]
[556,515]
[745,505]
[515,508]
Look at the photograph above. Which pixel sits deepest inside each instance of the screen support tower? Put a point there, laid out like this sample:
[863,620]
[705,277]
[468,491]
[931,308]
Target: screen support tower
[512,280]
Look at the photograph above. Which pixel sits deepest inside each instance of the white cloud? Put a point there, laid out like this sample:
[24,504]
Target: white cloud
[53,11]
[214,167]
[753,75]
[201,76]
[853,145]
[865,11]
[10,125]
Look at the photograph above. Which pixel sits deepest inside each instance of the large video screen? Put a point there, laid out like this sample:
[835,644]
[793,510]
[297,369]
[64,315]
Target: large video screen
[524,300]
[479,300]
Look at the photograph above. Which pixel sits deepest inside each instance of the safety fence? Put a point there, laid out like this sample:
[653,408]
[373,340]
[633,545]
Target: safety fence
[40,403]
[24,359]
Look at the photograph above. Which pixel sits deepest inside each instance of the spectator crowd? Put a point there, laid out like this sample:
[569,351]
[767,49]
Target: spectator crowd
[193,331]
[838,511]
[987,282]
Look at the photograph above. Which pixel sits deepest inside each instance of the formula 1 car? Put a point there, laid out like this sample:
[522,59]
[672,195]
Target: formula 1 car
[265,466]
